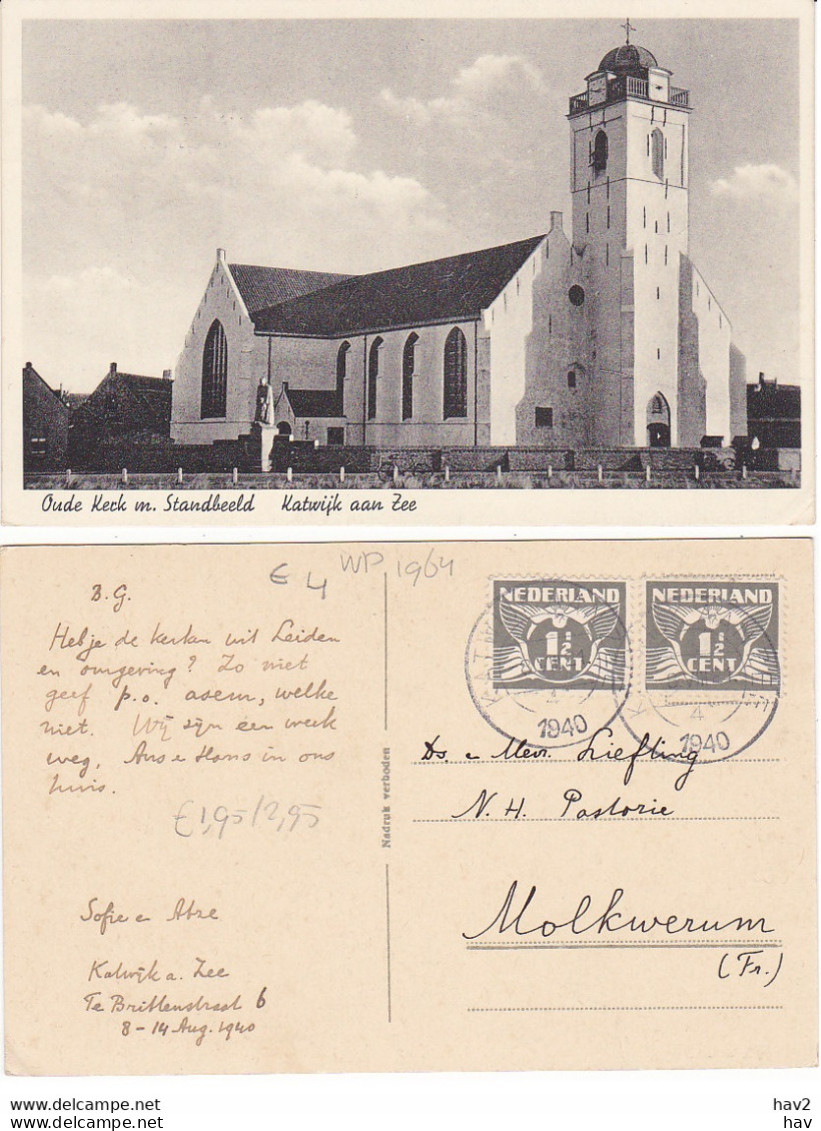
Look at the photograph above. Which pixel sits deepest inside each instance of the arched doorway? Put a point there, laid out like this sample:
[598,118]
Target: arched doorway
[658,422]
[283,428]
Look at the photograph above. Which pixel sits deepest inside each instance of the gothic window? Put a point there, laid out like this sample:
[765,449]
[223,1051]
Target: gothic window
[214,373]
[571,379]
[657,152]
[408,367]
[373,375]
[600,153]
[342,372]
[456,374]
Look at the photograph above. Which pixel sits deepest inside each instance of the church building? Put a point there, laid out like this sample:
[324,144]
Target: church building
[607,336]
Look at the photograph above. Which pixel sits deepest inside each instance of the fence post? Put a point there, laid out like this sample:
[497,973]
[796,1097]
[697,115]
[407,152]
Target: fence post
[498,473]
[234,476]
[447,473]
[289,474]
[68,477]
[697,472]
[743,471]
[342,475]
[550,471]
[647,474]
[600,474]
[395,475]
[124,476]
[179,475]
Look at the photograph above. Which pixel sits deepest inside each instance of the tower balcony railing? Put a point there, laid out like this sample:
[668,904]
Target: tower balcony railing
[627,86]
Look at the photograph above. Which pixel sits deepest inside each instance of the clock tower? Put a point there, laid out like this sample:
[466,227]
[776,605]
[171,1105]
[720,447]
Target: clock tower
[629,185]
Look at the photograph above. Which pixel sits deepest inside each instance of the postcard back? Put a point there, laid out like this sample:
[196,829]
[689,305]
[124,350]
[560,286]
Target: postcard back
[405,807]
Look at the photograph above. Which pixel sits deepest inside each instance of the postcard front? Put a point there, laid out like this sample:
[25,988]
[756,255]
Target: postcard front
[294,291]
[380,807]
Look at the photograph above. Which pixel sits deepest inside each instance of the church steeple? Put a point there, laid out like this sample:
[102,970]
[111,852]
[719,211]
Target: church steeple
[628,180]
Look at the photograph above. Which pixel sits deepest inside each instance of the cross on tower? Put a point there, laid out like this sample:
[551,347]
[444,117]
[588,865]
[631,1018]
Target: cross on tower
[628,27]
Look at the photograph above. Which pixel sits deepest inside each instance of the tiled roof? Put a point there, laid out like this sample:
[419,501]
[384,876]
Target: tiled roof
[30,372]
[128,400]
[314,402]
[772,402]
[460,286]
[266,286]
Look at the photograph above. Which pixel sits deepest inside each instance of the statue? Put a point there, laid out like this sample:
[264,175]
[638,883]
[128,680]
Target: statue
[265,404]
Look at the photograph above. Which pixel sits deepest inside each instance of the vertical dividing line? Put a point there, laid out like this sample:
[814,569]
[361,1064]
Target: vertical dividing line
[388,935]
[385,689]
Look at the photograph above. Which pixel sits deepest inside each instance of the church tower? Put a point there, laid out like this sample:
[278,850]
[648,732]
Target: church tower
[629,185]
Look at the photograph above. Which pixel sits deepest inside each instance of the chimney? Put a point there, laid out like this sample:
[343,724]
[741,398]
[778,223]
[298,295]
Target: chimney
[556,219]
[166,373]
[29,365]
[220,255]
[112,369]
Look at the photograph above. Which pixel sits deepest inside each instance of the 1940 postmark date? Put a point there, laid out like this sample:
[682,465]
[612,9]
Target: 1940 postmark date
[711,672]
[549,661]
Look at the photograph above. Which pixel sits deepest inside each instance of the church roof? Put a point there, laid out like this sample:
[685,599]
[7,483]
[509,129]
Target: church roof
[265,286]
[628,59]
[440,290]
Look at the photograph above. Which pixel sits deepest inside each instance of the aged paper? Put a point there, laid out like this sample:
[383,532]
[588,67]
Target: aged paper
[364,807]
[359,275]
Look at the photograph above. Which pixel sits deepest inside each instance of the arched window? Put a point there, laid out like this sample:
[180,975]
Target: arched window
[408,367]
[600,153]
[214,373]
[456,374]
[373,374]
[341,372]
[657,152]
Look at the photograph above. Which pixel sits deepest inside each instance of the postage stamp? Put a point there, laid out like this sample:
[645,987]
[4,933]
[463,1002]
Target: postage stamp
[712,634]
[558,633]
[711,670]
[549,661]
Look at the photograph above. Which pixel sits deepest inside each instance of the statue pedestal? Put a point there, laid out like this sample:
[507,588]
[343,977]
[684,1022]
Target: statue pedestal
[262,439]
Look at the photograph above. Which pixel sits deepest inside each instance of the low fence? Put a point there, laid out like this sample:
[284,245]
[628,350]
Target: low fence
[444,480]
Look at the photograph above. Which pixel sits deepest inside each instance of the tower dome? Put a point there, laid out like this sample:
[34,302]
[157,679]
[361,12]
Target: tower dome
[628,59]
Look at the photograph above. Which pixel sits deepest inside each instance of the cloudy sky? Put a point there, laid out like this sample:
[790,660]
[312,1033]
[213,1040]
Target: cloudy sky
[354,145]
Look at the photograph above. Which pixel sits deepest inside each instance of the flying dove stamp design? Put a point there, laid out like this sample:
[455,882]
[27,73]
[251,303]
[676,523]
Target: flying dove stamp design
[559,634]
[712,635]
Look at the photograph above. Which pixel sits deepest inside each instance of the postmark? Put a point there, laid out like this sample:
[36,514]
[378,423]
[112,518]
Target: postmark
[549,663]
[711,671]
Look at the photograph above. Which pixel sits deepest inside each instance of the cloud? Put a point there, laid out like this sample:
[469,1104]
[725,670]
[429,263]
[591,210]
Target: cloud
[123,212]
[761,183]
[492,85]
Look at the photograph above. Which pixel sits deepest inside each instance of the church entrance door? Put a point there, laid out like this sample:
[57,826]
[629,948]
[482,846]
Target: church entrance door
[658,422]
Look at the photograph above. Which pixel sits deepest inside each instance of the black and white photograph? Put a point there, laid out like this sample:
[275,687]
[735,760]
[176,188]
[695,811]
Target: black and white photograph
[411,254]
